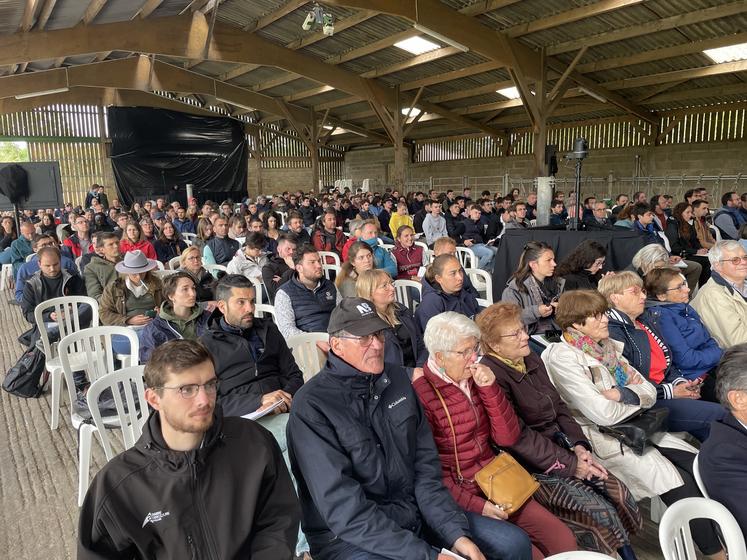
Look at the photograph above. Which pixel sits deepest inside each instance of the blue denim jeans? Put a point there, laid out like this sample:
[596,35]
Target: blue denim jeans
[276,423]
[693,416]
[485,255]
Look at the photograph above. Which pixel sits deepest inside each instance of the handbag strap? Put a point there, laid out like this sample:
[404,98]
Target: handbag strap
[453,432]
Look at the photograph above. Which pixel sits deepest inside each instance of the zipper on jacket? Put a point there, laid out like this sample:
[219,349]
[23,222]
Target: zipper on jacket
[477,423]
[192,549]
[202,513]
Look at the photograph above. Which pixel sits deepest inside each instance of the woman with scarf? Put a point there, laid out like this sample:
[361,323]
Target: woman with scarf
[574,486]
[408,256]
[469,415]
[602,389]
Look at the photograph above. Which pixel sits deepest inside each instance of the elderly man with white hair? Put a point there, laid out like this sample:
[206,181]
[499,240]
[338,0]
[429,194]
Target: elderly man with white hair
[722,301]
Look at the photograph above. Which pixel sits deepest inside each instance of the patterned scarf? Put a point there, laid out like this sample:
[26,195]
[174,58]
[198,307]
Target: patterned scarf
[604,352]
[519,366]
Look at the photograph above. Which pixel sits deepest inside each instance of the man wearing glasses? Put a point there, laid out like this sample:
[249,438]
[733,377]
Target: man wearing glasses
[722,301]
[196,484]
[362,452]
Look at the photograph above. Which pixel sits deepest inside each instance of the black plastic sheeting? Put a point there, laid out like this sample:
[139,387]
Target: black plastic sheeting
[156,152]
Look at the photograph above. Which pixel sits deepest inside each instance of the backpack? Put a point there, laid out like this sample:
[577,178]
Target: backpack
[27,377]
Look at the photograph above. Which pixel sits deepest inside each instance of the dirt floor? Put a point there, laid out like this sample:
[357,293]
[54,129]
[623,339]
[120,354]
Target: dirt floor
[39,469]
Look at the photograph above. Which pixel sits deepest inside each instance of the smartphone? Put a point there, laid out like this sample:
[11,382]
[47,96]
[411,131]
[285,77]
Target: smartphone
[150,313]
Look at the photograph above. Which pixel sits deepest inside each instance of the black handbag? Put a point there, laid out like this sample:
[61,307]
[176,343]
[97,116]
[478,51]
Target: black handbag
[27,377]
[636,432]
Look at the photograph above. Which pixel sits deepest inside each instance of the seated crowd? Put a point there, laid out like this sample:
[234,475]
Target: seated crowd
[379,455]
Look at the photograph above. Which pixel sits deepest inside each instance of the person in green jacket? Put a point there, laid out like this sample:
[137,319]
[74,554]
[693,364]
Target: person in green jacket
[100,271]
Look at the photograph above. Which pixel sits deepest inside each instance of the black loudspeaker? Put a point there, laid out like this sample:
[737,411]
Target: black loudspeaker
[14,183]
[551,159]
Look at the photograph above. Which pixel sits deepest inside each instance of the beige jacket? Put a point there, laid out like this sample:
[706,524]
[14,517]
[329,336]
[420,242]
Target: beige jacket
[580,380]
[724,313]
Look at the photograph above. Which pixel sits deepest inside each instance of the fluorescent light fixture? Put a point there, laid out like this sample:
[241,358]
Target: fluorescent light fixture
[592,94]
[412,111]
[329,127]
[509,92]
[440,37]
[727,54]
[234,103]
[417,45]
[39,93]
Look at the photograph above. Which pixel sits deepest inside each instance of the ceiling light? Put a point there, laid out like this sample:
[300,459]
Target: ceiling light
[39,93]
[234,103]
[727,54]
[328,127]
[417,45]
[593,94]
[440,37]
[411,111]
[509,92]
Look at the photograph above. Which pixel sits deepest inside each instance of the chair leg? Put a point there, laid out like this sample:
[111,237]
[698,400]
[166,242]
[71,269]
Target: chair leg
[56,379]
[84,460]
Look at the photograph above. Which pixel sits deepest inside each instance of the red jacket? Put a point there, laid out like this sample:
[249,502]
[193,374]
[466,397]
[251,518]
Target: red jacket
[125,246]
[409,260]
[325,241]
[346,247]
[73,242]
[488,418]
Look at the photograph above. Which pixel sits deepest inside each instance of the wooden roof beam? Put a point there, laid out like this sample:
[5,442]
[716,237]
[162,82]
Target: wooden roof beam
[268,19]
[679,75]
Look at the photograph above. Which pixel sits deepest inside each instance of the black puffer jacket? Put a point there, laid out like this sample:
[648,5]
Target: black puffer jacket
[216,502]
[243,380]
[366,465]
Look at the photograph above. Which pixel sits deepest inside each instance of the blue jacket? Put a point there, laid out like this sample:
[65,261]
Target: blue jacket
[184,226]
[435,300]
[694,350]
[366,465]
[648,232]
[28,269]
[722,463]
[383,259]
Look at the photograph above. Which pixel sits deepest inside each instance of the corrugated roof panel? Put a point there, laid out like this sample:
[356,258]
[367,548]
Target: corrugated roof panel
[66,14]
[168,7]
[241,13]
[118,11]
[11,12]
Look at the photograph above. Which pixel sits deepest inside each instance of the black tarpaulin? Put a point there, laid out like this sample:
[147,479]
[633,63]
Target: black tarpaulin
[156,152]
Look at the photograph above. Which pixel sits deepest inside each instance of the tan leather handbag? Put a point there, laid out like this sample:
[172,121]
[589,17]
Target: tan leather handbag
[503,481]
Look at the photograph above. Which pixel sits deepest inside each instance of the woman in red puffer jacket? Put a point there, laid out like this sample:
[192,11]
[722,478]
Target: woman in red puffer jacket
[409,256]
[482,417]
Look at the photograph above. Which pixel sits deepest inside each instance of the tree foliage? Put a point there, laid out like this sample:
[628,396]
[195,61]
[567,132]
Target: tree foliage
[13,152]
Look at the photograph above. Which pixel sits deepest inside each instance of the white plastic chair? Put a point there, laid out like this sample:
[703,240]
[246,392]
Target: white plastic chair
[283,217]
[6,277]
[259,291]
[331,268]
[482,302]
[130,419]
[160,265]
[29,257]
[173,264]
[308,356]
[675,537]
[90,351]
[189,238]
[214,268]
[164,273]
[426,251]
[466,257]
[261,308]
[716,233]
[532,223]
[67,309]
[325,255]
[387,247]
[578,555]
[482,281]
[698,480]
[78,260]
[402,293]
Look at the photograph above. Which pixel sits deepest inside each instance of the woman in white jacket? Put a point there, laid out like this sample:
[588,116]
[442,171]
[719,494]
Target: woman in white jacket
[602,389]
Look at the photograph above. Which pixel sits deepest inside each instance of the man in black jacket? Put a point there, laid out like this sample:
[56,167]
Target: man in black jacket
[362,452]
[195,485]
[280,267]
[255,367]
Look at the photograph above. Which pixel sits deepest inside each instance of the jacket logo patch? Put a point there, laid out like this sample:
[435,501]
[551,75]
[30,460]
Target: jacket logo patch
[395,403]
[155,517]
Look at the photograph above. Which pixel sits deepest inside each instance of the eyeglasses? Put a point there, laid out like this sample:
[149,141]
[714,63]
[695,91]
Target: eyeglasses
[515,334]
[681,286]
[600,262]
[634,290]
[736,260]
[466,354]
[190,391]
[367,340]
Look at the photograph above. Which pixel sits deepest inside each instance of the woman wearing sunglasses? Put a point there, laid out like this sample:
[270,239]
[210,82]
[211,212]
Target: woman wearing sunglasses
[695,353]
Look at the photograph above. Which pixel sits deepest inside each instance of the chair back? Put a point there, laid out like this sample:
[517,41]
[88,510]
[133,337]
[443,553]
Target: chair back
[90,350]
[326,256]
[403,295]
[698,480]
[126,386]
[482,281]
[259,290]
[466,257]
[160,265]
[29,257]
[161,274]
[78,260]
[331,271]
[173,264]
[308,356]
[716,233]
[675,537]
[215,268]
[189,238]
[261,308]
[68,310]
[388,247]
[426,251]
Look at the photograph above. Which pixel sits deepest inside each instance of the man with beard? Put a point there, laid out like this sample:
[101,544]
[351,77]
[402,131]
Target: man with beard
[188,488]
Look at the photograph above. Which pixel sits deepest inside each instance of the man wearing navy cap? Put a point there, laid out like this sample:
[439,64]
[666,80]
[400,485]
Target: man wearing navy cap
[362,452]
